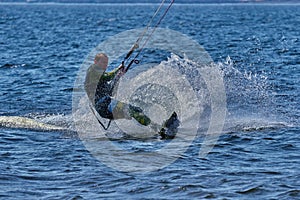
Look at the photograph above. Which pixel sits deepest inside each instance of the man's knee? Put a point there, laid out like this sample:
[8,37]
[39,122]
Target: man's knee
[119,110]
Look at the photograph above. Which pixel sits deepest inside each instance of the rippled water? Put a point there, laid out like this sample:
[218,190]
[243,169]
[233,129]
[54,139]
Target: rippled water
[257,156]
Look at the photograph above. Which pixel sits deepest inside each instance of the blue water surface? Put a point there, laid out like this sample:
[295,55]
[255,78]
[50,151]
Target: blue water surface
[257,47]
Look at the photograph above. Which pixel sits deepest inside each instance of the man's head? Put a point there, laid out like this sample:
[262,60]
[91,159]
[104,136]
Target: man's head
[101,60]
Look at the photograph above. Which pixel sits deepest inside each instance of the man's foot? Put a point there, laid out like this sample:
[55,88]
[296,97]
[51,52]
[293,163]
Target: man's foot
[170,127]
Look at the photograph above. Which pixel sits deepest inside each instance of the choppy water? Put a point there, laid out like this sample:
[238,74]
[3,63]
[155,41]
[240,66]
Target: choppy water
[257,156]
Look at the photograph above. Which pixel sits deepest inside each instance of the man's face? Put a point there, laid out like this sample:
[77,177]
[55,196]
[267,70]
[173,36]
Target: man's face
[102,63]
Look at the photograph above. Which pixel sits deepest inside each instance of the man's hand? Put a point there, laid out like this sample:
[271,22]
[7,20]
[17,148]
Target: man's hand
[122,66]
[121,70]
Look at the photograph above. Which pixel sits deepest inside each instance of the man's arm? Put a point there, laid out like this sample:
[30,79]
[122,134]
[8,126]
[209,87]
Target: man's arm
[111,75]
[92,78]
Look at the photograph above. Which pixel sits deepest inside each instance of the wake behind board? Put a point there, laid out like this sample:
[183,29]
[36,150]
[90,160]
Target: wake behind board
[27,123]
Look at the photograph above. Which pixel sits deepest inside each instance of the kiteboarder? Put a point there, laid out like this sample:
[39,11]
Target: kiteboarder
[99,87]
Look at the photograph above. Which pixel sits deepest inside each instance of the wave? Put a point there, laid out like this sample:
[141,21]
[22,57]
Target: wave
[12,65]
[251,125]
[20,122]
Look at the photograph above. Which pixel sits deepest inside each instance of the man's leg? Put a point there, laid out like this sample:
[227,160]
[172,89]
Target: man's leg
[138,115]
[110,108]
[102,107]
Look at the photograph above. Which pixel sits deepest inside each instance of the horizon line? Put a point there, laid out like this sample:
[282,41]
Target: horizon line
[147,3]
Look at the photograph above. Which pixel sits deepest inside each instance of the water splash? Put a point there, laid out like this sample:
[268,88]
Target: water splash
[249,99]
